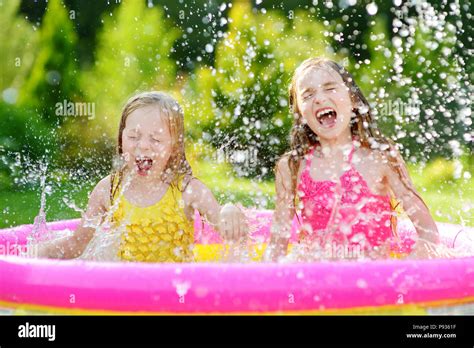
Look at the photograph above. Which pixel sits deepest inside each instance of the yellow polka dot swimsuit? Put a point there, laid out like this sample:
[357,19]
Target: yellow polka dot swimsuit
[157,233]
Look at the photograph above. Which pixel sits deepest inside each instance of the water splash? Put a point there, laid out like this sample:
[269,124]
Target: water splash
[105,244]
[40,230]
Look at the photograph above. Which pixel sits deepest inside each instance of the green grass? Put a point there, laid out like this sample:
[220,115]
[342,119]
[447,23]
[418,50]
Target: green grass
[448,194]
[449,199]
[228,188]
[21,207]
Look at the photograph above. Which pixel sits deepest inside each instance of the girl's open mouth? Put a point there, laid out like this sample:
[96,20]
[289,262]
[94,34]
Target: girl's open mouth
[143,164]
[326,117]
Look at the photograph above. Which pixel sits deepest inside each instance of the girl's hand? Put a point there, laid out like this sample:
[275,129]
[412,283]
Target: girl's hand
[232,223]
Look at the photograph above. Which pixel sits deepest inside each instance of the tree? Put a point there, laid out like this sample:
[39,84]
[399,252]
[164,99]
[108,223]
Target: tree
[417,82]
[20,39]
[54,75]
[430,72]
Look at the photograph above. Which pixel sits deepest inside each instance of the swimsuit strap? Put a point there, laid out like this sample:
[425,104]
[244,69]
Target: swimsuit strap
[351,153]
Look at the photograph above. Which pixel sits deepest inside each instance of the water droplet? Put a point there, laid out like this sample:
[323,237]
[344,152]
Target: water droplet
[372,8]
[182,287]
[361,283]
[209,48]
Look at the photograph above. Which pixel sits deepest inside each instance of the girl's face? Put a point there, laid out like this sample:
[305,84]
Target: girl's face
[146,141]
[324,102]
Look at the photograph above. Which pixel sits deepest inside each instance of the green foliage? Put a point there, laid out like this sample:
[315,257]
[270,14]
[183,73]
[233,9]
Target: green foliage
[432,75]
[416,84]
[17,47]
[24,137]
[132,55]
[241,103]
[54,75]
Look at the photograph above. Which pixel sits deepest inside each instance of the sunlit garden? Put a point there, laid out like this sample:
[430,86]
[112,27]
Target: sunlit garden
[229,64]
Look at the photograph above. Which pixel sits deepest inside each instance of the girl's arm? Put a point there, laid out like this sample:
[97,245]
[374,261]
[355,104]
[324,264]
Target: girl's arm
[412,203]
[228,220]
[284,212]
[74,245]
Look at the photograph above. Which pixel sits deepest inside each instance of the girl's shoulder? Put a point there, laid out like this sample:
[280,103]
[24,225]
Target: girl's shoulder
[196,195]
[286,166]
[100,195]
[287,161]
[104,184]
[370,155]
[192,186]
[284,173]
[283,165]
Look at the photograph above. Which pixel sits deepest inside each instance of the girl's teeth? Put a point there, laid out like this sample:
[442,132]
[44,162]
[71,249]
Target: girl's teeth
[144,165]
[327,118]
[323,113]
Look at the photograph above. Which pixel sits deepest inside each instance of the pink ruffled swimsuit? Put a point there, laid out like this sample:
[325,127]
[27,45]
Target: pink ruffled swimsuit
[344,213]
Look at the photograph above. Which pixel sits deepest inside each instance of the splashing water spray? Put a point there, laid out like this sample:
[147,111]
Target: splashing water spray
[40,229]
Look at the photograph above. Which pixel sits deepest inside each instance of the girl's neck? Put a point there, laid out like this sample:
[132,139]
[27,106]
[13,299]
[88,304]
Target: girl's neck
[331,148]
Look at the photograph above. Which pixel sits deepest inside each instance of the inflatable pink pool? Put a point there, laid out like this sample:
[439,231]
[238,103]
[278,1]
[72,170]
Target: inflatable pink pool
[394,286]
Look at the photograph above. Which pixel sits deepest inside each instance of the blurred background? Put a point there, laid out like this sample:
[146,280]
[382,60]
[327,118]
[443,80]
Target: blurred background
[68,66]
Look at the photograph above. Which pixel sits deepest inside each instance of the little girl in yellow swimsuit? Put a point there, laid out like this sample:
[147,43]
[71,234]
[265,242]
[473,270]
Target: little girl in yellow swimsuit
[150,199]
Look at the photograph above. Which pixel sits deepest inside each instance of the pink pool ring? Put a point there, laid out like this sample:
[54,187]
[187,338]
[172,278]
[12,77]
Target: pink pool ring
[392,286]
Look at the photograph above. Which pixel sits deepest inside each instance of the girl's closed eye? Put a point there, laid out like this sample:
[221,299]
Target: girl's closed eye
[330,87]
[156,137]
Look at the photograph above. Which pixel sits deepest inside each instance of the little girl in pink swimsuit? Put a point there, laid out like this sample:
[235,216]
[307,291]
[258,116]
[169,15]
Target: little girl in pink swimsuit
[341,174]
[358,217]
